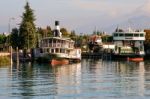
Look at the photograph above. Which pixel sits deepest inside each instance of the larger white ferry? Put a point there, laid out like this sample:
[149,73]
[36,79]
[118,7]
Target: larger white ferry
[129,44]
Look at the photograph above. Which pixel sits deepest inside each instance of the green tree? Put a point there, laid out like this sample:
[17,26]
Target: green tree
[73,35]
[107,38]
[64,32]
[14,38]
[27,29]
[2,39]
[49,31]
[40,32]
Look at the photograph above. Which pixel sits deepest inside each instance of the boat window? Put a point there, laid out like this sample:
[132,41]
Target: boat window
[62,50]
[57,50]
[54,41]
[115,34]
[47,50]
[41,50]
[136,35]
[52,50]
[50,41]
[121,35]
[141,35]
[58,41]
[129,35]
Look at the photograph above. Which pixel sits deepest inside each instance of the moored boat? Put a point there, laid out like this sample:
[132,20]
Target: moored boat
[54,62]
[129,45]
[59,50]
[135,59]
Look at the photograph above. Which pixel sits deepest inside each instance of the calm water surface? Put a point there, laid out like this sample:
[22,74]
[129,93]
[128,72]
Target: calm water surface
[90,79]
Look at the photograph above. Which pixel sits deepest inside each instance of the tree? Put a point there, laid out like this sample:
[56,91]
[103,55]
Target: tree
[2,38]
[27,29]
[73,35]
[49,31]
[107,38]
[14,38]
[64,32]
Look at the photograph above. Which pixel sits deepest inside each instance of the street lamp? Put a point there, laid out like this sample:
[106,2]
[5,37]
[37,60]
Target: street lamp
[9,27]
[9,21]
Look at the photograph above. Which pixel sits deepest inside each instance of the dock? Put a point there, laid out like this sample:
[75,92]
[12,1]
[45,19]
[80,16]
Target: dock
[89,55]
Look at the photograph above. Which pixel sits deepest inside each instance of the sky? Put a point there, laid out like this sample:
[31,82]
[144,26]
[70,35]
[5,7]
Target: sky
[83,16]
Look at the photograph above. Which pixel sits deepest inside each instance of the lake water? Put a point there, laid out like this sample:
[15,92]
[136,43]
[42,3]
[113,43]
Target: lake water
[90,79]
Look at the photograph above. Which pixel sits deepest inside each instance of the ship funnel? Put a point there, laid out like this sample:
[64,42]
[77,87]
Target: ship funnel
[57,32]
[56,23]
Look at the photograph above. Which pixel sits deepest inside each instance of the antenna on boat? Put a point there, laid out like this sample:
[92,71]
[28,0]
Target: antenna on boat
[130,24]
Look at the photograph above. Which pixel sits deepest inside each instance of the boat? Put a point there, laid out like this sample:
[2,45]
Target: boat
[54,62]
[129,45]
[135,59]
[59,50]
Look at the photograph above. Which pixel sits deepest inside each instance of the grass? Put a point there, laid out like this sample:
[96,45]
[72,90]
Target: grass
[4,60]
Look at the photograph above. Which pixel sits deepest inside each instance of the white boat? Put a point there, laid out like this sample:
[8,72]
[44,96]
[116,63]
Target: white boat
[59,49]
[129,44]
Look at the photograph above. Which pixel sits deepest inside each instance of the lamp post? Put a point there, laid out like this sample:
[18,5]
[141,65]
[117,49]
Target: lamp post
[9,22]
[9,27]
[11,62]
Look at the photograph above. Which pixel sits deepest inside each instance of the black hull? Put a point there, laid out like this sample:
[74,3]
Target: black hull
[125,57]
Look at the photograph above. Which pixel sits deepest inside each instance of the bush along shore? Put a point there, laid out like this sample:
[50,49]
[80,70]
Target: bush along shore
[4,60]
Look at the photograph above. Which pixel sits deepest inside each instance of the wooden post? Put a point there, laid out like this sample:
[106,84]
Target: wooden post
[11,61]
[17,56]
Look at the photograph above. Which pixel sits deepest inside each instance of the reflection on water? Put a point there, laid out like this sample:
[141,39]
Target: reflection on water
[89,79]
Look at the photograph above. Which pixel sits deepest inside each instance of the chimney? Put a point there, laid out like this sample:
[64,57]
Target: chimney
[57,32]
[56,23]
[57,26]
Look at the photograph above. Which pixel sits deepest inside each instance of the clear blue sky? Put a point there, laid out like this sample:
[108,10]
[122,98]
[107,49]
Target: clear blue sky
[79,15]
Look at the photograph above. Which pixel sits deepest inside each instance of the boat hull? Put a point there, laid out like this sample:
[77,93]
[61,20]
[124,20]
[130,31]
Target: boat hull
[59,62]
[136,59]
[128,57]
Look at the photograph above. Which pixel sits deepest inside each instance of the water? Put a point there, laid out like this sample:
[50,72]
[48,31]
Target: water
[90,79]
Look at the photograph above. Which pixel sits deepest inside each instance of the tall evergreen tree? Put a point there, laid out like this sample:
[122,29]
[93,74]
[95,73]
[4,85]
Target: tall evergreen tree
[27,30]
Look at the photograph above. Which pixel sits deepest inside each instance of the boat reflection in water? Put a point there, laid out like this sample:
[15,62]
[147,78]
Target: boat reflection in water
[86,80]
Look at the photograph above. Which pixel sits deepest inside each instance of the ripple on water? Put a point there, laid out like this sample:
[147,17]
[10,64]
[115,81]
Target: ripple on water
[92,79]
